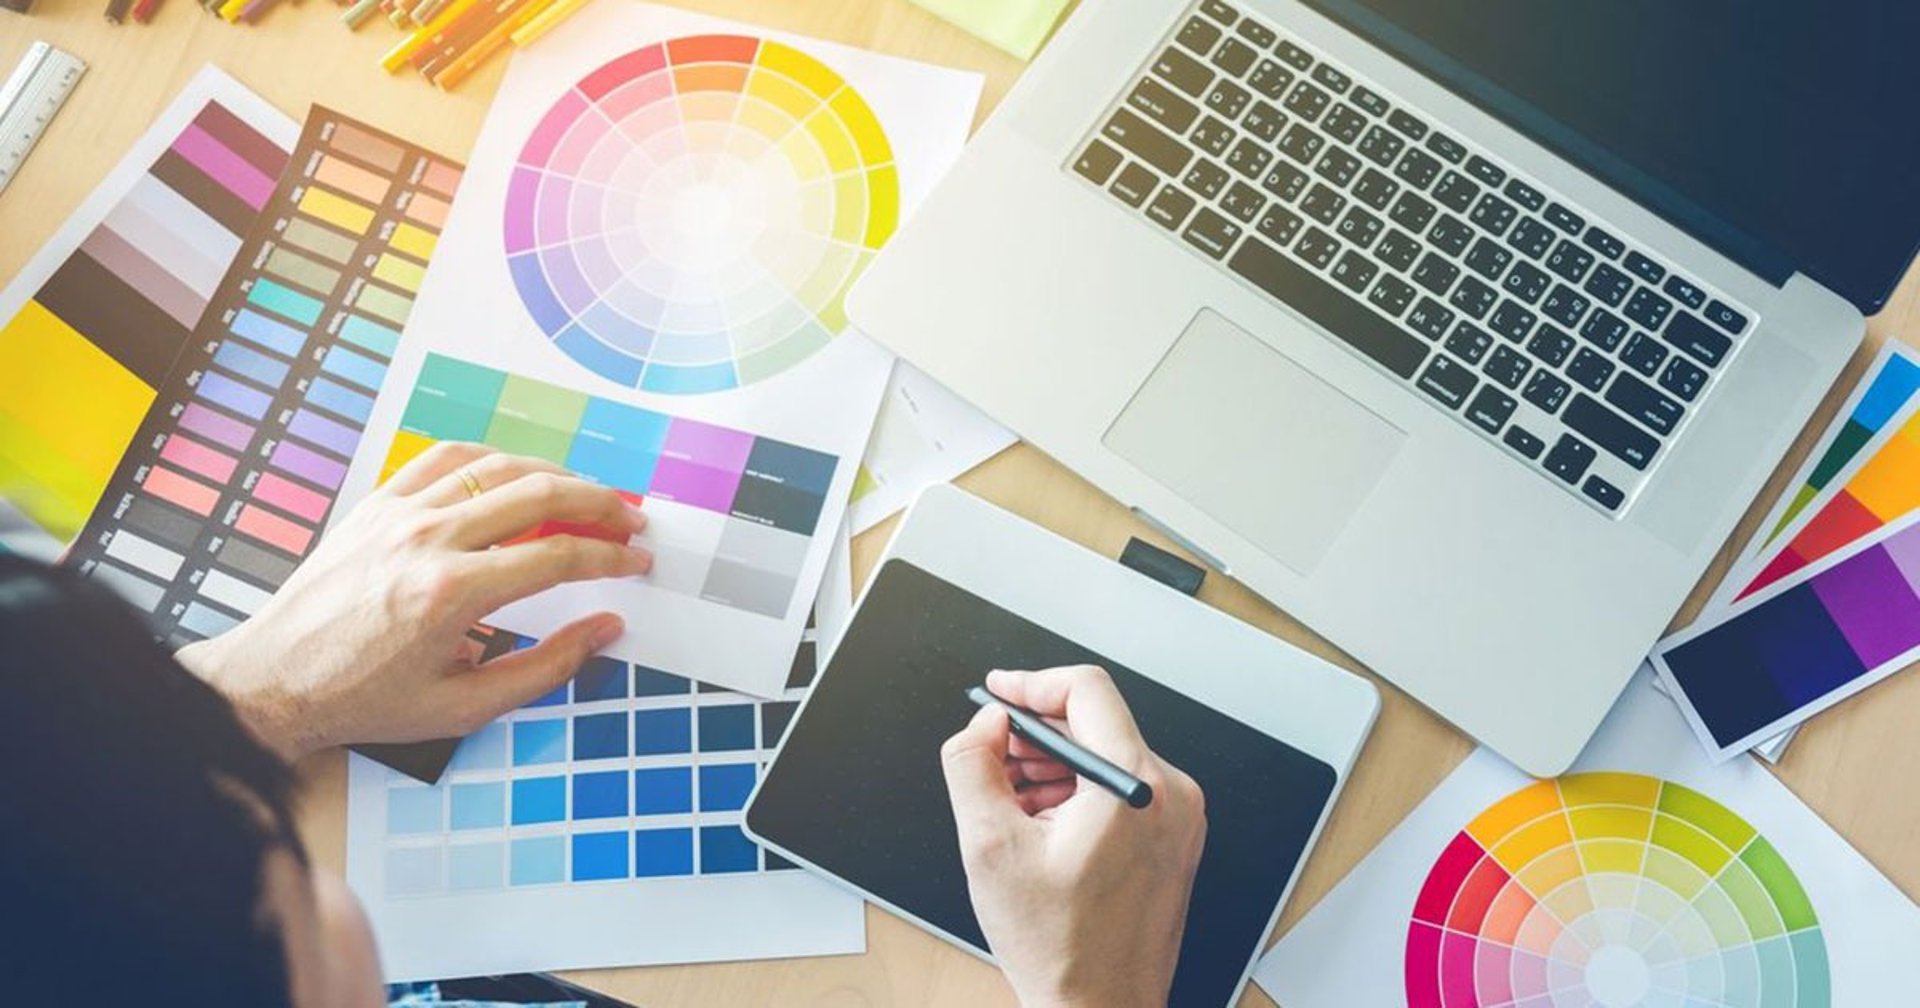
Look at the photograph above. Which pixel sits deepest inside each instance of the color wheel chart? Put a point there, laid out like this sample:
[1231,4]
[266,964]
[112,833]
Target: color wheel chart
[689,217]
[1608,890]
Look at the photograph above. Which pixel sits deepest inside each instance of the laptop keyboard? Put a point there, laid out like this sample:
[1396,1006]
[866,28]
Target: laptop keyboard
[1500,303]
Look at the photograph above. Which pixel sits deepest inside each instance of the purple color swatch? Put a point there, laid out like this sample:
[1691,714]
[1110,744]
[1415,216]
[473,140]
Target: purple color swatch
[216,427]
[309,465]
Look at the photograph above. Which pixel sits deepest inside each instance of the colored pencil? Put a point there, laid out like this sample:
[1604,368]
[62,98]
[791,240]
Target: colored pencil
[356,15]
[545,21]
[470,28]
[117,10]
[254,9]
[397,56]
[230,10]
[476,56]
[143,10]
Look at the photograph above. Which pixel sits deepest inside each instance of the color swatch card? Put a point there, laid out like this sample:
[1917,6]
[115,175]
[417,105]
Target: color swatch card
[598,826]
[1800,646]
[233,474]
[643,280]
[91,326]
[1648,876]
[925,435]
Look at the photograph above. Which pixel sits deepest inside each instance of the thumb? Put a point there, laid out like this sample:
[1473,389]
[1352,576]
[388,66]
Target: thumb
[516,679]
[974,762]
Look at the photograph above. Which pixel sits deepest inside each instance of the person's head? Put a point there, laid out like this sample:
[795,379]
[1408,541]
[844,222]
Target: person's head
[148,854]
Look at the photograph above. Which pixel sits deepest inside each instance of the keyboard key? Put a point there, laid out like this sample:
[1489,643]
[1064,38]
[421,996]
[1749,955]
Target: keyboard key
[1602,492]
[1647,308]
[1703,343]
[1398,250]
[1645,268]
[1170,208]
[1683,379]
[1488,259]
[1354,271]
[1507,366]
[1249,158]
[1489,174]
[1260,35]
[1235,57]
[1430,318]
[1603,243]
[1608,284]
[1264,121]
[1293,55]
[1683,291]
[1163,105]
[1270,79]
[1380,146]
[1375,189]
[1323,204]
[1183,72]
[1407,124]
[1219,11]
[1604,329]
[1531,238]
[1285,182]
[1455,191]
[1524,441]
[1435,274]
[1206,178]
[1565,219]
[1469,342]
[1307,101]
[1570,261]
[1590,370]
[1611,432]
[1317,247]
[1722,315]
[1525,195]
[1565,305]
[1279,225]
[1147,142]
[1450,234]
[1348,320]
[1134,185]
[1417,169]
[1344,124]
[1360,228]
[1334,80]
[1550,345]
[1569,458]
[1644,403]
[1447,380]
[1491,409]
[1367,100]
[1391,295]
[1243,202]
[1097,163]
[1547,391]
[1474,297]
[1228,99]
[1526,282]
[1212,233]
[1447,147]
[1493,214]
[1412,212]
[1338,166]
[1301,144]
[1199,35]
[1213,136]
[1644,354]
[1512,321]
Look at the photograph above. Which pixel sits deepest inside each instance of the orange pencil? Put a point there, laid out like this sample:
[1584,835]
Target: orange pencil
[461,34]
[492,42]
[397,56]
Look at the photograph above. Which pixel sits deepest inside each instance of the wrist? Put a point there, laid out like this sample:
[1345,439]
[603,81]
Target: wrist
[273,714]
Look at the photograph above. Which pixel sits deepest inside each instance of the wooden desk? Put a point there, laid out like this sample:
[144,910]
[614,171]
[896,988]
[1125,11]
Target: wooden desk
[1842,764]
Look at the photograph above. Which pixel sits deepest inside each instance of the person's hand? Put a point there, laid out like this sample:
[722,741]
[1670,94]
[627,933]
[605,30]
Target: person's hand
[367,641]
[1082,899]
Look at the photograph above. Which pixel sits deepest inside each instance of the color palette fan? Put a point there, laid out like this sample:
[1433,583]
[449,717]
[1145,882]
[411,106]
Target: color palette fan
[1610,890]
[689,217]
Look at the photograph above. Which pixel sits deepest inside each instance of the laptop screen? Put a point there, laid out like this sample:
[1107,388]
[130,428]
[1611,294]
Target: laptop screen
[1782,132]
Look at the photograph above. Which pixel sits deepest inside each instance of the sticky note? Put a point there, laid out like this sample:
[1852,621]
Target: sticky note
[1017,26]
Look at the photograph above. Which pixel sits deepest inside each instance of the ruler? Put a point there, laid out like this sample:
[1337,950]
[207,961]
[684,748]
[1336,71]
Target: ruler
[32,96]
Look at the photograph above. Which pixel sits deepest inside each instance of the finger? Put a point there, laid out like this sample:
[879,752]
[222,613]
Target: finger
[1037,771]
[511,573]
[1025,748]
[1039,798]
[535,499]
[1096,714]
[518,678]
[985,807]
[489,472]
[437,461]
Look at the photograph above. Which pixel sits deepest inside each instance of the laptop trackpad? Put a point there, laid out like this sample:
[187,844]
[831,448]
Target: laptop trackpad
[1256,441]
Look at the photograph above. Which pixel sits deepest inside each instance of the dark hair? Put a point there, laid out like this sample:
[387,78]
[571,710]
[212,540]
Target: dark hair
[136,813]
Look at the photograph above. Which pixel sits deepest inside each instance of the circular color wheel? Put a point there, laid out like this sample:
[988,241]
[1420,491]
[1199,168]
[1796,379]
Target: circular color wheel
[1603,890]
[688,217]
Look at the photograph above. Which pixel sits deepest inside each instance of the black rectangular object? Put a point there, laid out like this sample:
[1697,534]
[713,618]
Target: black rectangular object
[1396,349]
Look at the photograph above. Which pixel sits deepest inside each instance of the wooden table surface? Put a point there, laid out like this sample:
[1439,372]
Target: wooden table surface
[1842,764]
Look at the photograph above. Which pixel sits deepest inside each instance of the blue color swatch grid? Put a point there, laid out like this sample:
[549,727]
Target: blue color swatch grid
[624,773]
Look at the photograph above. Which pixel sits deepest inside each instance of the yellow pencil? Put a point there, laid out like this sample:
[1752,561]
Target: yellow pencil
[230,11]
[398,55]
[545,21]
[490,43]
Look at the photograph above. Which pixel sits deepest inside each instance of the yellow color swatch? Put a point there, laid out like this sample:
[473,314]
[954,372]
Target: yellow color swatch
[414,241]
[859,119]
[406,447]
[403,273]
[339,211]
[1887,486]
[814,75]
[1518,809]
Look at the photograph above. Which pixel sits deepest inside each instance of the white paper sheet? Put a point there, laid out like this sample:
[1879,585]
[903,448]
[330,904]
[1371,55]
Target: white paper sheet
[1351,949]
[925,435]
[471,310]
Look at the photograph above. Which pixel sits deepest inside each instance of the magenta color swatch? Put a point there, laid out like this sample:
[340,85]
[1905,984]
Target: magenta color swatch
[1872,603]
[232,171]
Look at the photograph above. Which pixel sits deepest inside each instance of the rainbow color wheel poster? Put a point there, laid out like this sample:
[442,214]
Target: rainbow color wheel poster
[1610,890]
[689,216]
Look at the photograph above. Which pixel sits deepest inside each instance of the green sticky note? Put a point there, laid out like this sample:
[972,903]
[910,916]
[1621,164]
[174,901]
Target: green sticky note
[1018,26]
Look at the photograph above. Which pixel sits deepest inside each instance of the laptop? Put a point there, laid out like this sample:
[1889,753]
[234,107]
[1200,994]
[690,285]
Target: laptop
[1463,331]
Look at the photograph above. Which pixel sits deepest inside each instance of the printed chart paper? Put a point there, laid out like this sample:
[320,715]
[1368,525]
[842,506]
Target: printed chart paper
[598,826]
[925,435]
[642,280]
[1647,876]
[90,327]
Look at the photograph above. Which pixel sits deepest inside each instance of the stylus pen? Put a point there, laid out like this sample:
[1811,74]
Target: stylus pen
[1073,755]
